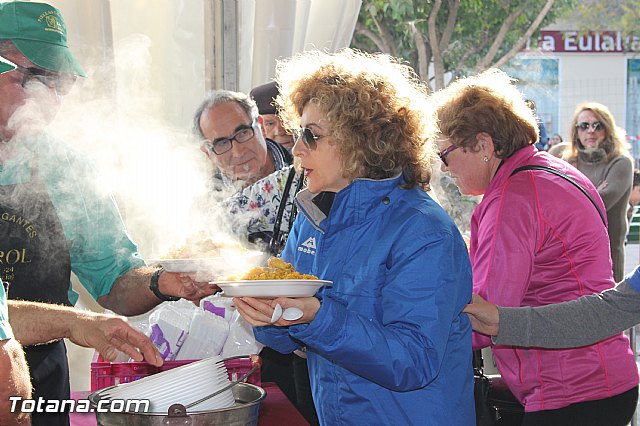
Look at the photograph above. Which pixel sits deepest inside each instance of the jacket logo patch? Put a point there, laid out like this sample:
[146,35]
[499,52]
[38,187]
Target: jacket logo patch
[309,246]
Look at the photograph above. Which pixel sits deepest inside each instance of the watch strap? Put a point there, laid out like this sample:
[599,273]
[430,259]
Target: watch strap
[153,285]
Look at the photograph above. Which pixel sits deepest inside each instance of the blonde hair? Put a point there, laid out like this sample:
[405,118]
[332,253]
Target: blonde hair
[377,109]
[488,102]
[614,143]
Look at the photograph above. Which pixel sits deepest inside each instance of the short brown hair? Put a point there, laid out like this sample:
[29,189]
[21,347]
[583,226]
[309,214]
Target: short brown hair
[488,102]
[377,108]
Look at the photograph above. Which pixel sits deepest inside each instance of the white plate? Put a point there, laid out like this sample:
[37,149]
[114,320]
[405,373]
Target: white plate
[213,265]
[271,288]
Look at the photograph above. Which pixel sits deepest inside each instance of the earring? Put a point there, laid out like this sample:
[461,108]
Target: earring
[485,159]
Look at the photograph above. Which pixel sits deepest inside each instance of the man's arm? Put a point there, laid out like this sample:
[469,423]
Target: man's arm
[579,322]
[131,295]
[14,381]
[35,323]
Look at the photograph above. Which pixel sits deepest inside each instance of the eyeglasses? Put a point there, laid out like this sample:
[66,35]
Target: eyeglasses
[308,138]
[61,83]
[447,151]
[221,145]
[584,126]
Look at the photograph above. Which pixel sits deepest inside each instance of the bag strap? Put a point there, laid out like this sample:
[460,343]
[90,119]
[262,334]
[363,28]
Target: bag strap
[275,236]
[567,178]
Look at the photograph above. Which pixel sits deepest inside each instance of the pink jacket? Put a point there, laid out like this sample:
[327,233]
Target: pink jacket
[537,240]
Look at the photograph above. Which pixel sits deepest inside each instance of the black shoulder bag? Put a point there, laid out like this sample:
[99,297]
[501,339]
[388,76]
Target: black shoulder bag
[495,404]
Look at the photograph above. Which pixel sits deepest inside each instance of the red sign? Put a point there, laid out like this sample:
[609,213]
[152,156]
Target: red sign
[591,42]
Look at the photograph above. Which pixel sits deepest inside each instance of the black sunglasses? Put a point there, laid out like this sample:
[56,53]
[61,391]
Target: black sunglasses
[308,138]
[596,125]
[61,83]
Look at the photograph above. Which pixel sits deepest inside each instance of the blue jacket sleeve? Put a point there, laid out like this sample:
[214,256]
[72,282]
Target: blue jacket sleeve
[425,288]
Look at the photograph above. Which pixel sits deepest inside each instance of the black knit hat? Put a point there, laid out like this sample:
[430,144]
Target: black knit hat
[265,95]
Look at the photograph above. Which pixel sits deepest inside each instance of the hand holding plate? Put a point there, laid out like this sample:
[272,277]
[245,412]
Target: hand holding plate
[298,310]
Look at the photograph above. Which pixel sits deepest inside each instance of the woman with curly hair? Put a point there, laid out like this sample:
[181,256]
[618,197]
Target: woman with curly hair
[387,343]
[537,237]
[598,150]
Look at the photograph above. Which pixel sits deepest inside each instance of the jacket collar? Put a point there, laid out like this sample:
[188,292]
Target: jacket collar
[520,157]
[360,200]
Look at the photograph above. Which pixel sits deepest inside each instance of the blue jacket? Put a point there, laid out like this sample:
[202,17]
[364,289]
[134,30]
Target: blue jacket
[390,344]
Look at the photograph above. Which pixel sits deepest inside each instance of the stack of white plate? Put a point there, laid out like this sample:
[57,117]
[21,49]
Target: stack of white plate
[182,385]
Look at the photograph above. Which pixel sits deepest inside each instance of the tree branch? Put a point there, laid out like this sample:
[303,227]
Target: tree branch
[527,35]
[454,6]
[375,38]
[423,59]
[436,51]
[385,36]
[499,39]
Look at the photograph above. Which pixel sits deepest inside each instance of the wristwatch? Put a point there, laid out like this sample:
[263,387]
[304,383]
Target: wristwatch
[153,285]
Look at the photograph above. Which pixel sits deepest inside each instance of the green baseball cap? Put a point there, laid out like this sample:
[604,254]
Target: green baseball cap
[39,32]
[6,65]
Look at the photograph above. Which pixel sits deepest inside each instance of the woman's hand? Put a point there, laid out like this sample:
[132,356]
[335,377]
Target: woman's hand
[308,305]
[259,312]
[484,316]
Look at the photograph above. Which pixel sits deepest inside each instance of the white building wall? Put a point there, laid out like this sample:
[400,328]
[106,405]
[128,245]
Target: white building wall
[592,77]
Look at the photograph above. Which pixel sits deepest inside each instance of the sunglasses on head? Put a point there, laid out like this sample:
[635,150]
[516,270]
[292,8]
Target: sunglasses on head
[308,138]
[61,83]
[596,125]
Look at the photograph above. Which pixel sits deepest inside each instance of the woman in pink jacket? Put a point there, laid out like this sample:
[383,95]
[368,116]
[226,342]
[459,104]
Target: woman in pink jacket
[536,239]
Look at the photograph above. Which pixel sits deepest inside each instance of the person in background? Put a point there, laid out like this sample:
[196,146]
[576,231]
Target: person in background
[265,96]
[634,197]
[54,219]
[386,343]
[598,150]
[543,142]
[262,209]
[536,239]
[230,129]
[575,323]
[558,149]
[554,140]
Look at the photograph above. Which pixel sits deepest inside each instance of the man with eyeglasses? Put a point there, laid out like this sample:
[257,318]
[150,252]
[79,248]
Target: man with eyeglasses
[230,128]
[53,219]
[261,209]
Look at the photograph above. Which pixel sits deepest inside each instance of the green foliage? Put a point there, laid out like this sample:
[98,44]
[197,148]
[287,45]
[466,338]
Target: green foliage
[476,27]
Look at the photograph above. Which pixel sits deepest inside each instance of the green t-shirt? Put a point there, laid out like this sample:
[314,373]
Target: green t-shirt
[5,328]
[99,246]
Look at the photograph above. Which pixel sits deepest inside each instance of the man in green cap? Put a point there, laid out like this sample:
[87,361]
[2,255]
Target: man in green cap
[53,220]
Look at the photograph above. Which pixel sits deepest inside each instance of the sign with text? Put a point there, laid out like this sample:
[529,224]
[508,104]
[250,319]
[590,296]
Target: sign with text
[581,42]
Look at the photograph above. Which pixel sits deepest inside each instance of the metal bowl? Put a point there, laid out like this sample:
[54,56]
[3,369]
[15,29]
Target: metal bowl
[245,412]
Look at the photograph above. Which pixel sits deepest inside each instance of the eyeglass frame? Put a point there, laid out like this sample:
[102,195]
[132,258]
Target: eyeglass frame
[52,80]
[443,154]
[585,126]
[309,139]
[210,145]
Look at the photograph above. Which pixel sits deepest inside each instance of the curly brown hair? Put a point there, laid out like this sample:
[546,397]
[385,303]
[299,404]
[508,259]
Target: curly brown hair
[376,106]
[614,142]
[488,102]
